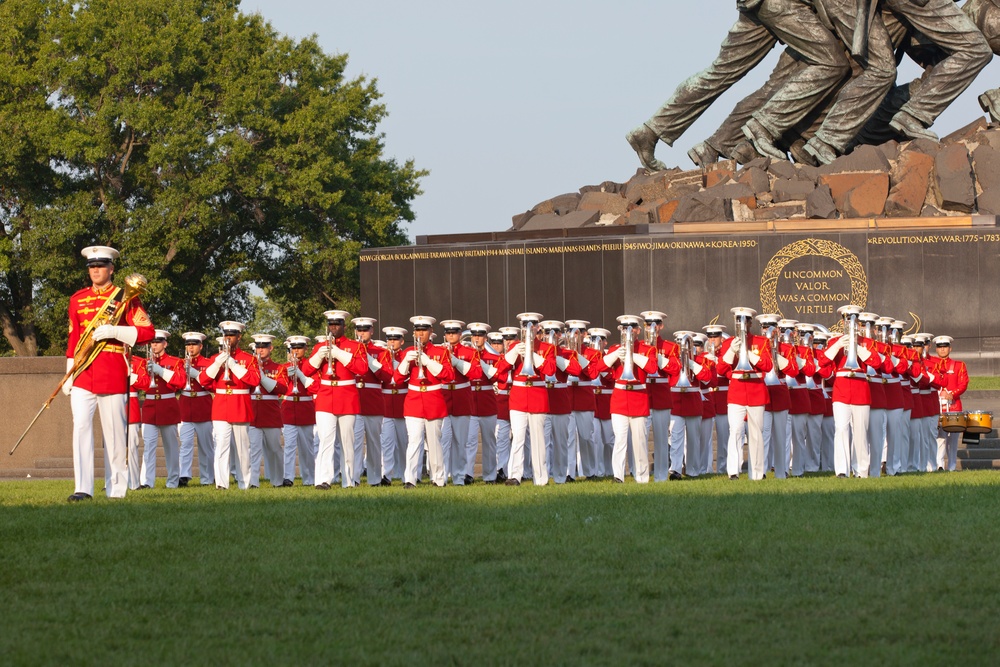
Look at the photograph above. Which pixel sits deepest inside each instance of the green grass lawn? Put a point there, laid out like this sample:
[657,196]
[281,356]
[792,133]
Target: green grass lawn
[982,382]
[811,571]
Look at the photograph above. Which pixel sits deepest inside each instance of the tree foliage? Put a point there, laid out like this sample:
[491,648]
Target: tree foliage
[213,152]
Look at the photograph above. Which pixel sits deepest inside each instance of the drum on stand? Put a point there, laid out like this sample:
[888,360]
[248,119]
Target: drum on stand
[979,421]
[952,422]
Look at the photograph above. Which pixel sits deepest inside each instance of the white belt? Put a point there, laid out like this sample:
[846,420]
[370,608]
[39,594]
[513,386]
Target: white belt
[296,398]
[725,388]
[158,397]
[133,394]
[739,375]
[232,392]
[393,392]
[461,385]
[630,387]
[892,380]
[683,390]
[657,380]
[556,385]
[429,387]
[368,385]
[482,387]
[501,392]
[927,392]
[859,375]
[530,383]
[195,394]
[266,397]
[339,383]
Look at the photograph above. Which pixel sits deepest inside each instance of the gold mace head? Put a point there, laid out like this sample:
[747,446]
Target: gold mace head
[135,285]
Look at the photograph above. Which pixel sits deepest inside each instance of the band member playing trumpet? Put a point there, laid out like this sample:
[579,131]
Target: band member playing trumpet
[686,413]
[583,401]
[877,413]
[805,414]
[629,363]
[483,424]
[458,397]
[103,384]
[503,381]
[745,359]
[195,403]
[161,413]
[715,334]
[530,361]
[954,380]
[393,396]
[138,381]
[560,402]
[825,383]
[426,368]
[708,391]
[885,451]
[666,463]
[368,427]
[265,429]
[232,375]
[604,384]
[298,415]
[847,359]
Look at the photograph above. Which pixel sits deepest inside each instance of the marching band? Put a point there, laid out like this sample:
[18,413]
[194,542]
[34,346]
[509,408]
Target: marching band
[542,399]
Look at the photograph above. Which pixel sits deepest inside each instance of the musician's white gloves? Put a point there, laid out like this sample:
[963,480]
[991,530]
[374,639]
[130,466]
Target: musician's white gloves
[515,351]
[235,368]
[268,384]
[68,384]
[125,334]
[319,356]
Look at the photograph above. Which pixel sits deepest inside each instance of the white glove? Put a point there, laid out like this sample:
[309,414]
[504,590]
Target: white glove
[538,359]
[124,334]
[753,357]
[661,361]
[425,359]
[562,363]
[640,360]
[318,358]
[373,365]
[343,356]
[404,367]
[302,377]
[213,370]
[132,379]
[512,354]
[167,374]
[68,384]
[409,357]
[834,347]
[156,368]
[268,384]
[236,369]
[730,356]
[782,363]
[736,345]
[433,366]
[193,372]
[488,369]
[611,358]
[864,353]
[582,360]
[695,366]
[460,365]
[222,358]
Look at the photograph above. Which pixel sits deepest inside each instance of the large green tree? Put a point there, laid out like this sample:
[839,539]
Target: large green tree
[212,151]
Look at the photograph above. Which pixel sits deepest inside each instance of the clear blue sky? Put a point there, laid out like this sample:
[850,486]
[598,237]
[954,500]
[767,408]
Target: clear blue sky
[514,102]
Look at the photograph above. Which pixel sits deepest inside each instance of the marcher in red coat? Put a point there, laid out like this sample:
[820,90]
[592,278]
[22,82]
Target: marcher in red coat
[161,413]
[298,414]
[394,392]
[265,429]
[196,414]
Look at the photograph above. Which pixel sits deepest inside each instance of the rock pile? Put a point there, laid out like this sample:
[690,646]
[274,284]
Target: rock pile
[960,175]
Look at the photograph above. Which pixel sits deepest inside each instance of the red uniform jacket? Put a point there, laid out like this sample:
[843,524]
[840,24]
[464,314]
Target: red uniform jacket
[393,390]
[160,406]
[267,404]
[109,372]
[850,387]
[298,408]
[338,390]
[370,384]
[484,398]
[140,383]
[502,383]
[631,398]
[232,399]
[709,386]
[746,388]
[779,396]
[602,395]
[458,393]
[424,398]
[581,387]
[560,396]
[195,400]
[801,401]
[952,376]
[528,394]
[661,380]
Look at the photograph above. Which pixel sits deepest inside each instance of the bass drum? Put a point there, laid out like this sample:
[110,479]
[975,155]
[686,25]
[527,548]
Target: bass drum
[979,421]
[952,422]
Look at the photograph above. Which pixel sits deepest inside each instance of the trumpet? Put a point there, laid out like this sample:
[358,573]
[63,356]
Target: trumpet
[149,367]
[628,366]
[187,371]
[743,365]
[418,345]
[294,361]
[686,341]
[528,338]
[773,338]
[226,348]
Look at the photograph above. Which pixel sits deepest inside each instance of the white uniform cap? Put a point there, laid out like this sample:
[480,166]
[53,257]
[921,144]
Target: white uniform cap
[529,317]
[549,325]
[394,331]
[480,328]
[714,329]
[768,318]
[653,315]
[740,311]
[297,340]
[577,324]
[805,327]
[941,341]
[699,338]
[630,320]
[494,336]
[884,321]
[99,253]
[380,343]
[678,334]
[510,331]
[898,324]
[221,340]
[160,333]
[193,337]
[906,340]
[263,338]
[868,317]
[322,338]
[452,324]
[849,309]
[364,321]
[922,338]
[422,321]
[787,324]
[598,331]
[333,315]
[231,326]
[820,336]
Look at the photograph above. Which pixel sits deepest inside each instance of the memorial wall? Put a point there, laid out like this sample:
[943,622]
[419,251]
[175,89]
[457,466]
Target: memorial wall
[944,281]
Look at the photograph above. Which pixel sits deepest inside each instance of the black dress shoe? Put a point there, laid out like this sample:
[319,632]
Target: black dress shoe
[512,482]
[286,482]
[183,481]
[409,485]
[144,486]
[254,486]
[385,482]
[501,475]
[619,480]
[323,487]
[489,482]
[734,477]
[78,496]
[674,475]
[842,475]
[569,479]
[469,479]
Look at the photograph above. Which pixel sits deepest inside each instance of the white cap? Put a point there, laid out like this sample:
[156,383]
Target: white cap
[653,315]
[221,340]
[577,324]
[231,326]
[99,253]
[510,331]
[805,327]
[322,338]
[529,317]
[380,343]
[363,322]
[787,324]
[394,331]
[478,328]
[740,311]
[768,318]
[263,338]
[297,340]
[630,320]
[906,339]
[868,317]
[549,325]
[922,338]
[683,332]
[849,309]
[193,337]
[598,331]
[898,324]
[494,336]
[334,315]
[699,338]
[819,335]
[422,321]
[884,321]
[714,330]
[452,324]
[943,341]
[161,333]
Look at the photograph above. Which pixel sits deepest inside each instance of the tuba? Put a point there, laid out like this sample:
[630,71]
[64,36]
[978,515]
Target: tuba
[686,341]
[743,365]
[528,338]
[628,366]
[850,315]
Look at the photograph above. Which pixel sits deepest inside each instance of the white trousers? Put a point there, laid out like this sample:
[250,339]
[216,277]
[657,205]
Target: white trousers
[300,440]
[134,461]
[394,441]
[520,424]
[917,429]
[265,443]
[876,441]
[625,426]
[896,435]
[722,443]
[114,420]
[947,450]
[663,456]
[604,433]
[236,436]
[206,450]
[851,432]
[705,468]
[419,431]
[776,441]
[798,426]
[454,439]
[484,429]
[685,443]
[814,442]
[503,445]
[559,426]
[587,444]
[368,448]
[171,453]
[826,461]
[329,426]
[754,429]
